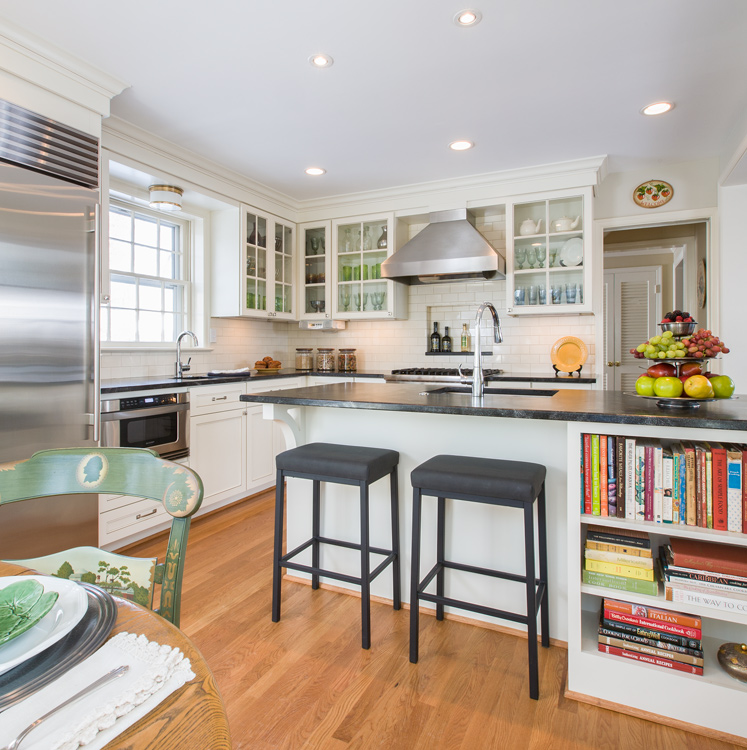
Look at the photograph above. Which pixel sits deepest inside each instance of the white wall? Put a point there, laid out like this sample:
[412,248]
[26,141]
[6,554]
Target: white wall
[732,281]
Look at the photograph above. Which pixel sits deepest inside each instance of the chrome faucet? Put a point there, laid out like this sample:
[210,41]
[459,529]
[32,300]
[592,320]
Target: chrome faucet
[182,368]
[478,380]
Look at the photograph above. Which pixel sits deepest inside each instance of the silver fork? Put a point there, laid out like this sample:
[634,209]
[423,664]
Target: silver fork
[118,672]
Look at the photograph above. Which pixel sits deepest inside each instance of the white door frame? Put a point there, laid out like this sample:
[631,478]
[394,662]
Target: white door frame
[689,216]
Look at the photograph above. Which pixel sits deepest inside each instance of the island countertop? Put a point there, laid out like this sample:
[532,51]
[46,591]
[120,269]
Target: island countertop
[613,407]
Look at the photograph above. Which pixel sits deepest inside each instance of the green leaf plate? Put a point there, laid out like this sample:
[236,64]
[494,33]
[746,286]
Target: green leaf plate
[22,605]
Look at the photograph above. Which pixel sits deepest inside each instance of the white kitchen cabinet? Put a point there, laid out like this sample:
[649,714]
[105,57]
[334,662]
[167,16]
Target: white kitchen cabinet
[253,265]
[359,246]
[548,254]
[315,270]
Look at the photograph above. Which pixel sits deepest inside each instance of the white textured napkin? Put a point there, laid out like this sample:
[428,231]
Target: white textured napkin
[239,371]
[155,672]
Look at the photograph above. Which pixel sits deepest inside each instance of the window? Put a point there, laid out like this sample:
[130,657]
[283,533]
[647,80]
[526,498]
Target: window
[148,276]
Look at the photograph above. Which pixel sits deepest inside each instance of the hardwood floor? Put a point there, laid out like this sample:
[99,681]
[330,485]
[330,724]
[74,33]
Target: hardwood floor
[306,683]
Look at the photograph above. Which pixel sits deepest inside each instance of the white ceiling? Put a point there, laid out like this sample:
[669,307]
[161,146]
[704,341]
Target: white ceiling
[536,82]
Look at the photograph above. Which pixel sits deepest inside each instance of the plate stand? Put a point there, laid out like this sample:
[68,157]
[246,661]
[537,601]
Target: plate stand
[572,374]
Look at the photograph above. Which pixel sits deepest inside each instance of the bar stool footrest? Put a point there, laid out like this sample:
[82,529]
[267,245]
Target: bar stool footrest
[478,608]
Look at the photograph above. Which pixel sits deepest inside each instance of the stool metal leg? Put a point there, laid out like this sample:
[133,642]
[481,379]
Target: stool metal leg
[315,531]
[365,571]
[278,548]
[415,575]
[531,600]
[396,579]
[440,555]
[542,533]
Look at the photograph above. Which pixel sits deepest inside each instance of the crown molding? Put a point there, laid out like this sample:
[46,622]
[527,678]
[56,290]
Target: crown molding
[35,60]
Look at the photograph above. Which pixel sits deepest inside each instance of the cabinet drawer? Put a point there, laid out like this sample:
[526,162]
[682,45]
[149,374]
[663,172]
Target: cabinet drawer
[276,384]
[212,398]
[121,522]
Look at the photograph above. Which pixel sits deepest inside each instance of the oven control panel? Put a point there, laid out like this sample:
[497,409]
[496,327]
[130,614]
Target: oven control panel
[143,402]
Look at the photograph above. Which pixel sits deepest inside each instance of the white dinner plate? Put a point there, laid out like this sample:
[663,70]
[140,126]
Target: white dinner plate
[572,252]
[66,613]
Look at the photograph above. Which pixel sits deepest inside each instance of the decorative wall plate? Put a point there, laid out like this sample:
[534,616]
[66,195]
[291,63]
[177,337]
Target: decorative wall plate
[568,354]
[701,283]
[653,194]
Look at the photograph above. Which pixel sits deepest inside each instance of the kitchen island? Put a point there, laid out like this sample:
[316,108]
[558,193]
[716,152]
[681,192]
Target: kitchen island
[535,425]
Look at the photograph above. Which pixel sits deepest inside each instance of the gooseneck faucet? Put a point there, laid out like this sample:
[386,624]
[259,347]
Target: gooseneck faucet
[478,380]
[180,367]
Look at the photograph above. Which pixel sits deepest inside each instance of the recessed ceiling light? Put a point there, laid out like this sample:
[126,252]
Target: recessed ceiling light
[315,171]
[460,145]
[658,108]
[321,61]
[468,17]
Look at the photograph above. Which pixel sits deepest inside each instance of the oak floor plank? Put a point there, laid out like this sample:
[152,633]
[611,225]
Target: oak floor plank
[305,684]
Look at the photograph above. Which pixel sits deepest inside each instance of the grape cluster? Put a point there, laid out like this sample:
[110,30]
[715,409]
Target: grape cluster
[677,316]
[661,347]
[704,344]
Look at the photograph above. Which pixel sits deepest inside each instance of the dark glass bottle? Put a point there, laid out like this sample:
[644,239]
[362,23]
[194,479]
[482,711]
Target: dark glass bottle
[446,340]
[435,339]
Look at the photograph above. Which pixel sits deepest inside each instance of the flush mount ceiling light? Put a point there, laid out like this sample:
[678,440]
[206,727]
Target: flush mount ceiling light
[460,145]
[315,171]
[468,17]
[321,61]
[658,108]
[166,197]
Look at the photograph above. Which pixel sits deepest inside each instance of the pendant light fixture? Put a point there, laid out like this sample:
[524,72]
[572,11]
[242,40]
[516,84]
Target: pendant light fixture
[166,197]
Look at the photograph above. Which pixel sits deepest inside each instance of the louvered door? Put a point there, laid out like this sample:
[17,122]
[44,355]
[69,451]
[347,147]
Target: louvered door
[631,313]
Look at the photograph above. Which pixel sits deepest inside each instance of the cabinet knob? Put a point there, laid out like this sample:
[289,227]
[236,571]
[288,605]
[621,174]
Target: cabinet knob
[610,364]
[617,364]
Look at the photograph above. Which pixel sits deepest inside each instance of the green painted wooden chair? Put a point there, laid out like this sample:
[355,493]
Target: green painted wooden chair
[136,472]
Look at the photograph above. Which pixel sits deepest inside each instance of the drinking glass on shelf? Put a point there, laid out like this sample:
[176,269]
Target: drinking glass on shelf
[315,246]
[570,293]
[378,299]
[533,294]
[365,301]
[579,293]
[553,256]
[367,239]
[557,294]
[542,294]
[345,300]
[521,256]
[531,257]
[541,255]
[357,301]
[519,296]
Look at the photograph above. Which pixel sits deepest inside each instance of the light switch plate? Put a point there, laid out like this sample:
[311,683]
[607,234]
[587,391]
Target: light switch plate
[213,336]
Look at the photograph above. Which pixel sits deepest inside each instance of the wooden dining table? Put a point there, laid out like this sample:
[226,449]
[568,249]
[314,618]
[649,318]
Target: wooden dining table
[191,718]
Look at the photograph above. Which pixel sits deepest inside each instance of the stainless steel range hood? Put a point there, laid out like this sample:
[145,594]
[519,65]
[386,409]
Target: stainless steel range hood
[448,249]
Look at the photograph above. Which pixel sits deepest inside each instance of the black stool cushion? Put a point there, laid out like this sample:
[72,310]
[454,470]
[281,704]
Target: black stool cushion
[342,461]
[488,477]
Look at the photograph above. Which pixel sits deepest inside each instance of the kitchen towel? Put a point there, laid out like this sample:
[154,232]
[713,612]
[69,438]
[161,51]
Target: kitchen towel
[155,672]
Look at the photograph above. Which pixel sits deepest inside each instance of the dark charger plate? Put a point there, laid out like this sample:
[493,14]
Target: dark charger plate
[85,638]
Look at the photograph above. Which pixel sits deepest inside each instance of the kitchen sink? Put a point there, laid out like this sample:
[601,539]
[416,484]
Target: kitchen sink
[193,377]
[489,391]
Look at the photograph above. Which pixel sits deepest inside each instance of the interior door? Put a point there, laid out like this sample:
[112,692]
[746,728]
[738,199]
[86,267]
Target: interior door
[632,302]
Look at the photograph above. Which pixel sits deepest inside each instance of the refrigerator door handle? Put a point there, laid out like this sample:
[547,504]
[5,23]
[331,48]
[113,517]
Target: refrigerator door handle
[96,327]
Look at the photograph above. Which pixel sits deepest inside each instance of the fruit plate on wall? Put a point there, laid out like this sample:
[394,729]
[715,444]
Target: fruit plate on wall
[653,194]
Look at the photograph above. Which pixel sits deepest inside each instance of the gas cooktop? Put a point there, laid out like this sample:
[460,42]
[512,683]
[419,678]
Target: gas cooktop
[435,374]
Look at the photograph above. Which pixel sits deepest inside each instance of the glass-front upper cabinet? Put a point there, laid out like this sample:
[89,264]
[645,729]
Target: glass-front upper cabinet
[361,245]
[315,280]
[548,255]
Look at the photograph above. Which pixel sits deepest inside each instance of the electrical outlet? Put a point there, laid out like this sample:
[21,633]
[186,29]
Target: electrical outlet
[213,336]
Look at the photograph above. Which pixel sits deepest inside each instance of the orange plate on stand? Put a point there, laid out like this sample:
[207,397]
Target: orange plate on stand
[568,354]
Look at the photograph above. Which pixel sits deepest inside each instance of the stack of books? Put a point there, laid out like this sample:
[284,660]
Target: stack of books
[620,559]
[651,635]
[704,573]
[689,483]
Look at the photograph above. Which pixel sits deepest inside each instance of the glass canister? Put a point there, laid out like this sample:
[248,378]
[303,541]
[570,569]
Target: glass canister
[346,361]
[325,360]
[304,359]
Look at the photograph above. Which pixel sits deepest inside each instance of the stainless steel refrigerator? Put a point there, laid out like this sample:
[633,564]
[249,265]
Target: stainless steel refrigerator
[49,390]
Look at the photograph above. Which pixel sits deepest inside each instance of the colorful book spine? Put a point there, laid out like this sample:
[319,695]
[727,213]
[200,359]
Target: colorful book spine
[687,575]
[648,659]
[658,482]
[596,507]
[645,622]
[682,486]
[644,648]
[648,482]
[630,479]
[667,485]
[616,569]
[655,643]
[587,473]
[659,635]
[708,486]
[722,559]
[619,557]
[744,491]
[603,477]
[718,482]
[620,583]
[733,489]
[611,477]
[712,601]
[707,588]
[700,486]
[653,613]
[626,537]
[690,484]
[640,474]
[620,446]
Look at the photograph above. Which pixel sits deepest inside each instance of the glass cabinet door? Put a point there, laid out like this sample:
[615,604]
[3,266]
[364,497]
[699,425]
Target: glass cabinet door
[314,283]
[255,234]
[283,270]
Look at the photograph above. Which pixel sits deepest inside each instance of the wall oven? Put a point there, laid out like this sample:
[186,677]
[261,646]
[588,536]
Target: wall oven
[157,421]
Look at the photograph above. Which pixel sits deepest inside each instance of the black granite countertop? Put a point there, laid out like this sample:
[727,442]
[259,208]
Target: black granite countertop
[611,407]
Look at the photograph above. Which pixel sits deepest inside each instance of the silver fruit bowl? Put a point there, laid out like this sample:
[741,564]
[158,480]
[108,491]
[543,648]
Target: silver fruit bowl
[680,329]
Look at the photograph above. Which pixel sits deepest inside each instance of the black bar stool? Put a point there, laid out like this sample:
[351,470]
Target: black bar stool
[515,484]
[341,464]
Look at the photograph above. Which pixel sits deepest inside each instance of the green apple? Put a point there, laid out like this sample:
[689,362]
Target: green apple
[668,387]
[723,386]
[644,386]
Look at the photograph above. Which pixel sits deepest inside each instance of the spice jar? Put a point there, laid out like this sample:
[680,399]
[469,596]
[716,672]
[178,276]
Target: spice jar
[346,361]
[304,359]
[325,360]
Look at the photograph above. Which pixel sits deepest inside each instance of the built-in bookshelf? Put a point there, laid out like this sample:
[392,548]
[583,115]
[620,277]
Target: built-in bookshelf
[711,702]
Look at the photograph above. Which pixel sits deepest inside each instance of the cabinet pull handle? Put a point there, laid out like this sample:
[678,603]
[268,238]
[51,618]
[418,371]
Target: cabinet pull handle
[220,398]
[610,364]
[145,515]
[617,364]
